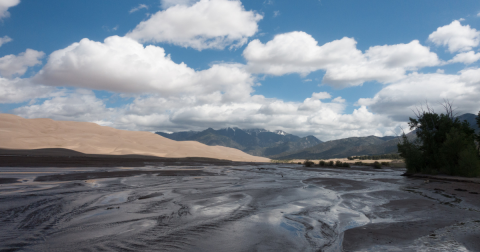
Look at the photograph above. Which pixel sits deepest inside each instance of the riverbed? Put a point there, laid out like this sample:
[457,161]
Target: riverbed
[245,207]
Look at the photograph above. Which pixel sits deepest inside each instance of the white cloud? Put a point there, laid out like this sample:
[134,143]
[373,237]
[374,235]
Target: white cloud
[20,90]
[205,24]
[11,65]
[79,105]
[321,95]
[172,97]
[4,40]
[121,64]
[456,37]
[197,112]
[399,99]
[4,5]
[466,58]
[169,3]
[339,100]
[345,65]
[139,7]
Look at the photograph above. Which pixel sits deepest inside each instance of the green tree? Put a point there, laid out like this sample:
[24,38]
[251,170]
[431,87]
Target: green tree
[478,135]
[443,145]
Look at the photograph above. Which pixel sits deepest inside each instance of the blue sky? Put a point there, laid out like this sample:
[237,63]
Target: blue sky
[332,69]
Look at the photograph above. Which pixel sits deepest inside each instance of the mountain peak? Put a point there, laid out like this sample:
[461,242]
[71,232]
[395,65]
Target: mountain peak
[280,132]
[255,131]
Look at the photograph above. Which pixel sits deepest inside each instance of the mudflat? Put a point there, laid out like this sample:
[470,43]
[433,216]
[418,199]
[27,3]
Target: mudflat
[210,206]
[59,157]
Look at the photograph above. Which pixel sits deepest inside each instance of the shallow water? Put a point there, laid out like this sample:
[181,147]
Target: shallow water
[238,208]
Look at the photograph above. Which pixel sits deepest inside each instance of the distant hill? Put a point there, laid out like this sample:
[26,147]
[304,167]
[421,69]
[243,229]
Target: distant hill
[259,142]
[471,119]
[25,136]
[341,148]
[356,146]
[281,145]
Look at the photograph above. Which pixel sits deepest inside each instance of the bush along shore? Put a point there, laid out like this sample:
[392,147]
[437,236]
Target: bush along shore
[444,145]
[323,163]
[393,156]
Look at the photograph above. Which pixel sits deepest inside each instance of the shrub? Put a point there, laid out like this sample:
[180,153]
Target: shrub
[410,151]
[346,164]
[385,163]
[359,163]
[444,145]
[330,163]
[338,163]
[466,163]
[377,165]
[308,163]
[321,163]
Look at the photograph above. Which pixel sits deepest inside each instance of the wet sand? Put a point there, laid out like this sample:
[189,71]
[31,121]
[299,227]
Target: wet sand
[208,206]
[58,157]
[8,180]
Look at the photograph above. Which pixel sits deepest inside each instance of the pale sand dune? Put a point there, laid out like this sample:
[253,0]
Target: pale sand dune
[90,138]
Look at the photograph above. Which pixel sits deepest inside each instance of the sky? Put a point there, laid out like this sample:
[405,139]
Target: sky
[332,69]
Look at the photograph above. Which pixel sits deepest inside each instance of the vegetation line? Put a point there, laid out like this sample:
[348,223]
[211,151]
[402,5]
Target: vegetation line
[444,145]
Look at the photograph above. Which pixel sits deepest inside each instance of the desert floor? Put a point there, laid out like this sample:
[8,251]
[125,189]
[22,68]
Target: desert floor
[208,206]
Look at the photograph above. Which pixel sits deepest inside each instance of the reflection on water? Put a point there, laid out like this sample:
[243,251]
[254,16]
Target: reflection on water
[239,208]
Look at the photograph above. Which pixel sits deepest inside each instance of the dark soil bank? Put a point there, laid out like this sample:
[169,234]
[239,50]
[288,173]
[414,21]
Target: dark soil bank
[8,180]
[120,174]
[70,158]
[204,206]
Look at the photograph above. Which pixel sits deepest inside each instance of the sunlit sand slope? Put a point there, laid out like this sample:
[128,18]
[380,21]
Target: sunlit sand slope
[90,138]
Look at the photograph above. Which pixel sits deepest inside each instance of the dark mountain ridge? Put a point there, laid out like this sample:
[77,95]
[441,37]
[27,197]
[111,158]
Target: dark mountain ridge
[281,145]
[341,148]
[358,146]
[259,142]
[471,119]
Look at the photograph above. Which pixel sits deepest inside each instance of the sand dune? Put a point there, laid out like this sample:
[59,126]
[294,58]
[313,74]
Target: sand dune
[90,138]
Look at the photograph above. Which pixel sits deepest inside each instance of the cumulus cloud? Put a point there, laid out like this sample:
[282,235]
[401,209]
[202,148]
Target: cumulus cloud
[466,58]
[121,64]
[20,90]
[456,37]
[4,40]
[339,100]
[79,105]
[169,3]
[4,5]
[205,24]
[188,112]
[321,95]
[139,7]
[397,100]
[345,65]
[171,96]
[11,65]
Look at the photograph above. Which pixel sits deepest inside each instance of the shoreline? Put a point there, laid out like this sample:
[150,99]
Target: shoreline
[421,210]
[58,157]
[446,178]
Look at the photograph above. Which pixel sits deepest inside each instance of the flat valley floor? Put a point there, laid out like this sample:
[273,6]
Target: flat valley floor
[241,207]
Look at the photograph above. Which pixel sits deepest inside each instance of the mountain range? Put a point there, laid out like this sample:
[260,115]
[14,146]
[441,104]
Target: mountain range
[471,119]
[341,148]
[281,145]
[258,142]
